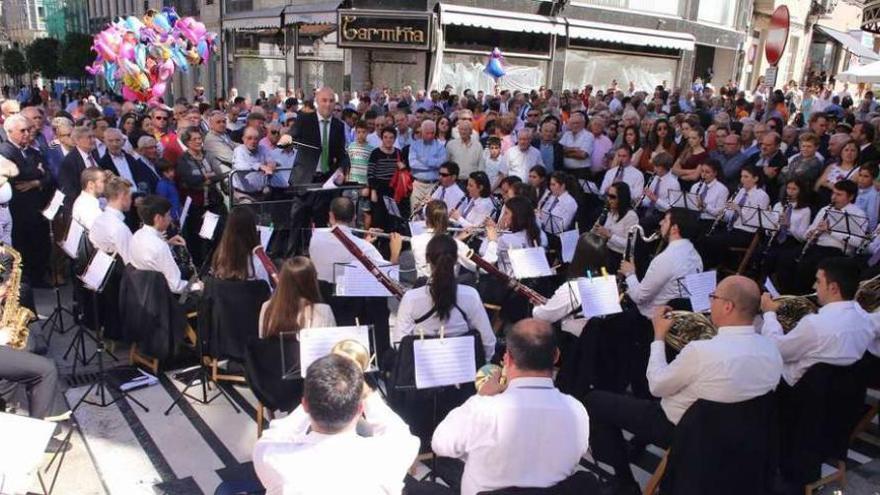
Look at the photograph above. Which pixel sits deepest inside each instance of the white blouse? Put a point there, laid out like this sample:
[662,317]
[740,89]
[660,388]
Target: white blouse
[800,221]
[619,227]
[558,213]
[419,244]
[475,211]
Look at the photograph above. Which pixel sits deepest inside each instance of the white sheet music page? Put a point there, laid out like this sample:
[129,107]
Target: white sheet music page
[700,285]
[52,209]
[416,228]
[356,281]
[265,232]
[21,452]
[771,289]
[335,180]
[391,206]
[209,225]
[95,274]
[71,242]
[185,211]
[315,343]
[599,296]
[446,361]
[529,262]
[569,242]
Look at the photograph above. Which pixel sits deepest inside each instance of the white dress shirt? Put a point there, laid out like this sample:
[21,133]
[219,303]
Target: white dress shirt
[475,211]
[833,239]
[530,435]
[800,221]
[518,162]
[584,141]
[506,242]
[419,245]
[619,227]
[839,334]
[662,281]
[755,198]
[632,176]
[734,366]
[110,234]
[564,305]
[121,164]
[86,209]
[292,459]
[100,148]
[150,251]
[716,195]
[453,196]
[325,251]
[668,182]
[557,213]
[417,302]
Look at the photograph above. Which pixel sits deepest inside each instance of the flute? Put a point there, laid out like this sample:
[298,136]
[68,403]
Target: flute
[384,235]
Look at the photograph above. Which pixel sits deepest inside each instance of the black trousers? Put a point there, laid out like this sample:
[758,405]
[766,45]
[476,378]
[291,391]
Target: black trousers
[612,413]
[714,248]
[38,375]
[797,278]
[771,257]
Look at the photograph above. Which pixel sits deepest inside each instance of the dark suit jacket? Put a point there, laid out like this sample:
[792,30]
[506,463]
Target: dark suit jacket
[869,154]
[143,177]
[68,177]
[558,164]
[307,131]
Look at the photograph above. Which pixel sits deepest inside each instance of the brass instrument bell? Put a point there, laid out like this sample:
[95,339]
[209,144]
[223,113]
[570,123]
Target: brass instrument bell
[354,350]
[688,326]
[485,372]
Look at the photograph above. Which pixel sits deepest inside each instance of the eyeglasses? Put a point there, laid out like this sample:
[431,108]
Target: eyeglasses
[611,196]
[714,296]
[160,118]
[445,174]
[275,133]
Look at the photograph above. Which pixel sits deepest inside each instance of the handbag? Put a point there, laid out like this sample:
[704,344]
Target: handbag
[401,183]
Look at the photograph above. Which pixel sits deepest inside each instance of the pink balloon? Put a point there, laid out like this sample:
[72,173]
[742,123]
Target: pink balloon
[158,90]
[166,70]
[129,94]
[127,52]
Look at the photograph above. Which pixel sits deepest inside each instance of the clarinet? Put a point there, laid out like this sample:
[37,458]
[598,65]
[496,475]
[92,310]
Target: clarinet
[533,296]
[602,217]
[723,211]
[393,287]
[416,211]
[267,263]
[645,190]
[814,237]
[786,208]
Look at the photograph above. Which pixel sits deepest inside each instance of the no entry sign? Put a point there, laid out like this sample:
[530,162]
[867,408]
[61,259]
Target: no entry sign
[777,35]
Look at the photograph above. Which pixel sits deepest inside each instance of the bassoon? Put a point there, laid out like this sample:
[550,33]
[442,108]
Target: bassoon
[533,296]
[267,263]
[393,287]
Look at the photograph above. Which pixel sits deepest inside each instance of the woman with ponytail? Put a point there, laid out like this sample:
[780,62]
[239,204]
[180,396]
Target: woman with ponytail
[436,224]
[443,302]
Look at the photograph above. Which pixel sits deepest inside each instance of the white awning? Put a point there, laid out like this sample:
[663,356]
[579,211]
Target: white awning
[849,43]
[500,20]
[312,13]
[613,33]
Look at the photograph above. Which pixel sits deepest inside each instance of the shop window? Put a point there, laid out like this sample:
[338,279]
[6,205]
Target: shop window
[584,67]
[233,6]
[257,44]
[319,40]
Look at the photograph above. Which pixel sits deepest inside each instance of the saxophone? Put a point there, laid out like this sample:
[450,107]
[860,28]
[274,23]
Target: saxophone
[15,317]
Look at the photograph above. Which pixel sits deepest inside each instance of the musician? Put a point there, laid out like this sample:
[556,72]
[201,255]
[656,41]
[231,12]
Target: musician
[712,194]
[623,171]
[838,334]
[149,248]
[794,220]
[316,450]
[86,208]
[478,206]
[109,233]
[436,223]
[655,198]
[296,302]
[736,365]
[620,218]
[519,218]
[448,190]
[539,181]
[487,432]
[796,274]
[234,259]
[559,210]
[714,247]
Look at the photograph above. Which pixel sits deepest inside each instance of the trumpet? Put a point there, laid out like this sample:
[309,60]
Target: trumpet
[384,235]
[723,211]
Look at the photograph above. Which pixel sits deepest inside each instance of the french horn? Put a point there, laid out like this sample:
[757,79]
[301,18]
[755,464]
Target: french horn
[792,309]
[868,295]
[357,352]
[485,372]
[688,326]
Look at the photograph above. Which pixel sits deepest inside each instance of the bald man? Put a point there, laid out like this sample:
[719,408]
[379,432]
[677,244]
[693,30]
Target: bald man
[736,365]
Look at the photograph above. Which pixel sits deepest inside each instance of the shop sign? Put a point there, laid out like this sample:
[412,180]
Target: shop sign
[384,29]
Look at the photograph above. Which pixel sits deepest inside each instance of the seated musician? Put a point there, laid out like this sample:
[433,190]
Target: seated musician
[436,218]
[736,365]
[250,157]
[447,189]
[316,451]
[518,217]
[655,202]
[234,258]
[86,207]
[149,248]
[796,274]
[838,334]
[620,218]
[109,232]
[623,170]
[478,206]
[736,233]
[711,192]
[559,210]
[794,220]
[499,432]
[296,302]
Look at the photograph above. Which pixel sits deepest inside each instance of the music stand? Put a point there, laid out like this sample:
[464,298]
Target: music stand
[56,318]
[677,198]
[554,221]
[844,222]
[78,344]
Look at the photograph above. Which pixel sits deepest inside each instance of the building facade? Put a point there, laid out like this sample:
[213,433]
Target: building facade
[24,20]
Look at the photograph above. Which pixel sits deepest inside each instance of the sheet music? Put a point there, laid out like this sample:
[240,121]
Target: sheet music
[416,228]
[771,289]
[209,225]
[529,262]
[21,452]
[391,206]
[97,271]
[355,281]
[700,285]
[74,236]
[265,232]
[52,209]
[446,361]
[185,211]
[315,343]
[599,296]
[569,241]
[332,181]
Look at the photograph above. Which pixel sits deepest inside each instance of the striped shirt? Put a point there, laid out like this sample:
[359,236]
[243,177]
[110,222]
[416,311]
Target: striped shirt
[382,165]
[359,156]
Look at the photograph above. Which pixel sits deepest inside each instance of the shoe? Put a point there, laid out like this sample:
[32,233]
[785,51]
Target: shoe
[55,446]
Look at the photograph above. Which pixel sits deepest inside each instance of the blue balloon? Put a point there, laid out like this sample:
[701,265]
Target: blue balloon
[494,68]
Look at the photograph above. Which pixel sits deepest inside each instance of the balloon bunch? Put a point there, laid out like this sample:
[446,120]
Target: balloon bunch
[137,57]
[493,66]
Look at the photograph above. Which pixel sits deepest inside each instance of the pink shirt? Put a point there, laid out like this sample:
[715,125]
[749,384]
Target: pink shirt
[601,146]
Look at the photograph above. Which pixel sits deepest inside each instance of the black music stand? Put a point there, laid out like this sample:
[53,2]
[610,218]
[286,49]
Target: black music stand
[78,344]
[56,318]
[684,199]
[854,226]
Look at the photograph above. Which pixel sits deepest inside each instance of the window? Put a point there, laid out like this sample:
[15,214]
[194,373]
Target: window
[721,12]
[233,6]
[666,7]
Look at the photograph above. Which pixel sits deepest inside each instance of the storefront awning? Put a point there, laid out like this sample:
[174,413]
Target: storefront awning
[311,13]
[849,43]
[458,15]
[629,35]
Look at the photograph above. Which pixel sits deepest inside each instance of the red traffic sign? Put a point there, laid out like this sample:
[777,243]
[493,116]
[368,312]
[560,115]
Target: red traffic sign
[777,35]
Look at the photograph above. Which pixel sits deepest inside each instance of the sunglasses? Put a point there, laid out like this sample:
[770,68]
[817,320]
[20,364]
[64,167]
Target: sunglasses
[160,118]
[275,133]
[445,174]
[611,196]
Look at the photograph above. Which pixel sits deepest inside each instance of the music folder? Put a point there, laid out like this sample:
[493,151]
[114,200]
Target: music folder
[353,280]
[568,240]
[529,262]
[70,245]
[699,286]
[99,268]
[209,225]
[315,343]
[599,296]
[54,205]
